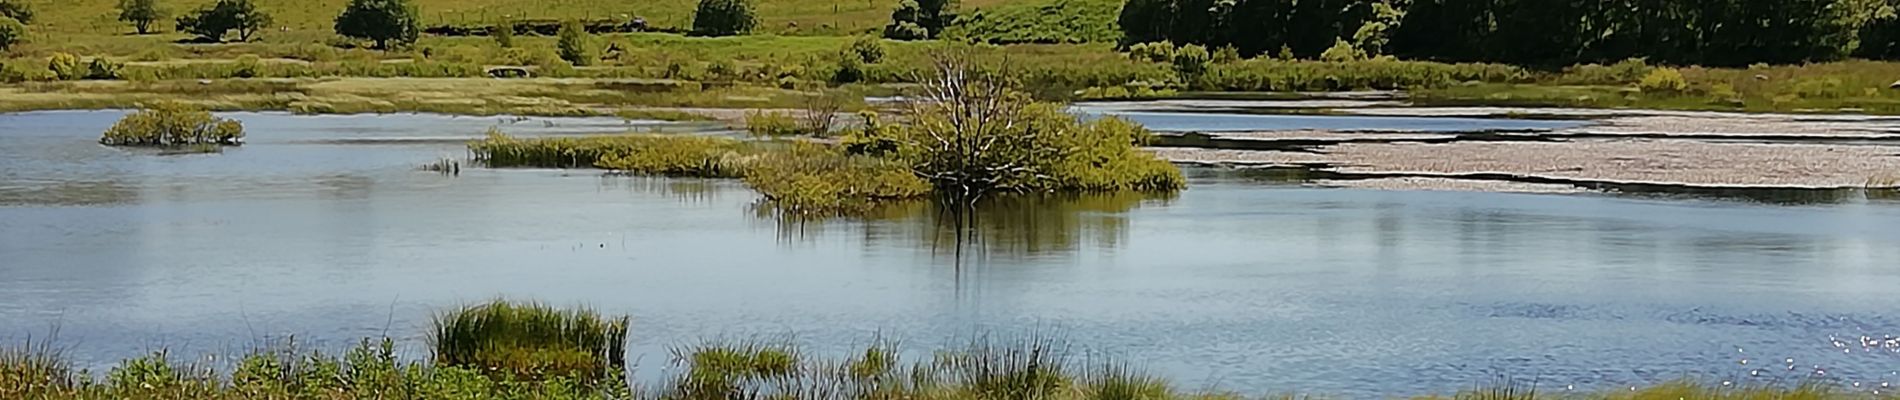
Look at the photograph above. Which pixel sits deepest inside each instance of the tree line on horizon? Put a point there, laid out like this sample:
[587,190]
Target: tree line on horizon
[1530,32]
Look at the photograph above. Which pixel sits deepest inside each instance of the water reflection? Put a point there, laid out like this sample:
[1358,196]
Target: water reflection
[1006,228]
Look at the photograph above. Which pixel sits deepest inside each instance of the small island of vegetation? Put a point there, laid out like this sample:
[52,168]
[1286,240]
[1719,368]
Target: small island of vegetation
[174,125]
[966,135]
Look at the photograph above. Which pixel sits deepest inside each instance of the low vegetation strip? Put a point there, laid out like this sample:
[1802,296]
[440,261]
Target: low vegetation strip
[508,350]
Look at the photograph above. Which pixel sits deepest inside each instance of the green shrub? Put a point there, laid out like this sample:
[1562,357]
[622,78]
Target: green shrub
[12,32]
[771,124]
[1162,51]
[1227,55]
[850,69]
[906,30]
[504,33]
[173,124]
[1342,51]
[247,66]
[868,49]
[724,18]
[1016,145]
[102,68]
[1190,62]
[532,341]
[381,21]
[574,44]
[1664,80]
[66,66]
[822,180]
[17,10]
[920,19]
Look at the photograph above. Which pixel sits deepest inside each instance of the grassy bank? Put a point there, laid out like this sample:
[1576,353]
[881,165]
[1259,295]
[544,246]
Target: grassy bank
[516,350]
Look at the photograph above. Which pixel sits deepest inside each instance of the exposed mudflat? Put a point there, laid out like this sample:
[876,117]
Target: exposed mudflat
[1688,149]
[1638,161]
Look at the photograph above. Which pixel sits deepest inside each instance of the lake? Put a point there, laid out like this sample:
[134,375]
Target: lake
[324,228]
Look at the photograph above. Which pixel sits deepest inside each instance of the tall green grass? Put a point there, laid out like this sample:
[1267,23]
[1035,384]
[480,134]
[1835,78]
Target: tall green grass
[1025,367]
[531,341]
[641,154]
[33,369]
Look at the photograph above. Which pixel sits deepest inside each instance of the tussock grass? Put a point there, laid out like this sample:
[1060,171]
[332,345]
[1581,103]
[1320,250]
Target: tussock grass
[531,341]
[641,154]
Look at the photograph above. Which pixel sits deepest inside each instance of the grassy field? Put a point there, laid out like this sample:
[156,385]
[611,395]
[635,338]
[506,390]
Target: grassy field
[771,68]
[825,17]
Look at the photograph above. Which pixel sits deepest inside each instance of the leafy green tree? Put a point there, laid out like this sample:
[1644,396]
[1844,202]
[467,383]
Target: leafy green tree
[213,21]
[724,18]
[382,21]
[140,13]
[11,33]
[17,10]
[573,44]
[920,19]
[868,49]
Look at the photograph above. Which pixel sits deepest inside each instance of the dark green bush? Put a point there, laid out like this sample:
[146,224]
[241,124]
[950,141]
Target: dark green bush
[574,44]
[12,32]
[173,124]
[724,18]
[381,21]
[532,341]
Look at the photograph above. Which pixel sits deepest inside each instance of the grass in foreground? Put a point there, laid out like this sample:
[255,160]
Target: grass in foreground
[984,368]
[532,341]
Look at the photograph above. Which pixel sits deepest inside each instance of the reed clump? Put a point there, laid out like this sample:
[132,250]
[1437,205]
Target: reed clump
[810,179]
[642,154]
[531,341]
[171,124]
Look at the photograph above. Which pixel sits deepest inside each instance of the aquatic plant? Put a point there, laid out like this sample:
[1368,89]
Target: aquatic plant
[173,124]
[34,369]
[970,134]
[812,179]
[531,341]
[642,154]
[770,124]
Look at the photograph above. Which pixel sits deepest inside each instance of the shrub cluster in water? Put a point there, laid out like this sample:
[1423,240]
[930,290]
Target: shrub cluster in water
[970,135]
[173,124]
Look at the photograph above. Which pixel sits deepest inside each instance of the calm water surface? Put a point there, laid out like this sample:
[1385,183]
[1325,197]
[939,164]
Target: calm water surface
[1237,283]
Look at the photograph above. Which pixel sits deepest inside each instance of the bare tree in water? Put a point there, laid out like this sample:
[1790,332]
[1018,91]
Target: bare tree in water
[968,135]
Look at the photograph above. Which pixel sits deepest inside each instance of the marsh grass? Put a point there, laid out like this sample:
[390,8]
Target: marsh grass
[674,155]
[1031,366]
[811,180]
[34,368]
[174,125]
[531,341]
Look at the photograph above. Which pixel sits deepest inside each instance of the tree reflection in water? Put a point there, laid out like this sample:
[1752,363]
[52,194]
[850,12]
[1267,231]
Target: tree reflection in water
[1009,228]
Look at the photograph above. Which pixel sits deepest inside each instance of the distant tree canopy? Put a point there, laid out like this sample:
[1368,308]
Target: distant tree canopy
[11,32]
[212,21]
[1530,32]
[17,10]
[920,19]
[140,13]
[381,21]
[724,18]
